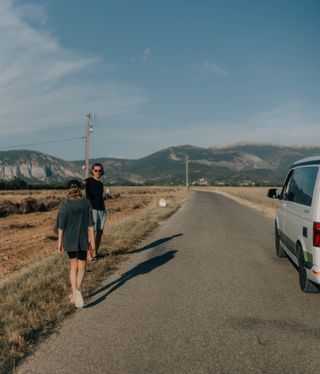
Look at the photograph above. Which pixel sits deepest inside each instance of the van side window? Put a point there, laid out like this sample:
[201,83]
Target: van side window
[283,194]
[301,186]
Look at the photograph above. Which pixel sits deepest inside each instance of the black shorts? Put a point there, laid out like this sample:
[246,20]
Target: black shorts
[80,255]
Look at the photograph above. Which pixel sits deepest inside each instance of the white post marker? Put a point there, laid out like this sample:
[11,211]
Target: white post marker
[162,203]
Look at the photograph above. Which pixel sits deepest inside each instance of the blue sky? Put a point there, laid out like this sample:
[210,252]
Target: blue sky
[158,73]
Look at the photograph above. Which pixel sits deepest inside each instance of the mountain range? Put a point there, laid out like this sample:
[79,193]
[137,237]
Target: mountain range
[241,163]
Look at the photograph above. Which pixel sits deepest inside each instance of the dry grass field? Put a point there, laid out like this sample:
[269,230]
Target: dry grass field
[34,278]
[29,238]
[255,197]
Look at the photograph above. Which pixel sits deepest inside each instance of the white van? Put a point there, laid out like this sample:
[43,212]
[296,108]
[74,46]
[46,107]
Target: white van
[297,223]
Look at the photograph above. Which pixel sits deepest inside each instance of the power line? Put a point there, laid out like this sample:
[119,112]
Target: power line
[48,142]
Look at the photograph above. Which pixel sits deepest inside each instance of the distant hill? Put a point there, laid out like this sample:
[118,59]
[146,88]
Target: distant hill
[242,163]
[33,166]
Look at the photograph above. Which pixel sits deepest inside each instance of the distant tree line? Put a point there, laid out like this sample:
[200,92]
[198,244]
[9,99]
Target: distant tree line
[21,184]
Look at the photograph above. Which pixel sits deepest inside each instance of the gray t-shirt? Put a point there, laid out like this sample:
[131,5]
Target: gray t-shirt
[74,218]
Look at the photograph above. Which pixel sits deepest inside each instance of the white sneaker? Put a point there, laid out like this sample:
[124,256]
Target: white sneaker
[79,300]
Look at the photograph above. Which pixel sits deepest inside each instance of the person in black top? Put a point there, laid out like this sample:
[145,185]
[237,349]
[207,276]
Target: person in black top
[94,192]
[75,228]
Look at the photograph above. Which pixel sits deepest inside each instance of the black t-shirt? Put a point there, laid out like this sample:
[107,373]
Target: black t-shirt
[94,192]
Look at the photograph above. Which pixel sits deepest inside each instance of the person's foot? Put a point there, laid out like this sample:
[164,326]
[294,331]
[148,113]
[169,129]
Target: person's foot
[78,300]
[71,298]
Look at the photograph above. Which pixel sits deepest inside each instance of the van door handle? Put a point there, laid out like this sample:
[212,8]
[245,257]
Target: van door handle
[306,210]
[284,204]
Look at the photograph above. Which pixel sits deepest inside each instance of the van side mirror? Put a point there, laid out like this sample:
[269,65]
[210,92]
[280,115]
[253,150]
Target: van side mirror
[273,193]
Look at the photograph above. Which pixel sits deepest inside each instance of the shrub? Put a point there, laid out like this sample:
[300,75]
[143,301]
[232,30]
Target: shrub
[30,205]
[8,207]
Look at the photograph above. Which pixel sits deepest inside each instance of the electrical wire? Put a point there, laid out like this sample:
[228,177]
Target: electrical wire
[48,142]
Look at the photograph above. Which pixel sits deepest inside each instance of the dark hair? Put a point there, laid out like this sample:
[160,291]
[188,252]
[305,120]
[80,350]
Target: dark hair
[74,183]
[74,189]
[97,164]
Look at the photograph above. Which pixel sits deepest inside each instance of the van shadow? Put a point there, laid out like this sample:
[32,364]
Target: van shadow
[143,268]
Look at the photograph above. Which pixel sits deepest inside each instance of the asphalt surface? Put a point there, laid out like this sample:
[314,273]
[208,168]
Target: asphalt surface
[206,294]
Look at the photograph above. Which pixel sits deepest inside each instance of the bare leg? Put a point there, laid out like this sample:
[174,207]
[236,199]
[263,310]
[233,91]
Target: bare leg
[98,237]
[81,272]
[73,277]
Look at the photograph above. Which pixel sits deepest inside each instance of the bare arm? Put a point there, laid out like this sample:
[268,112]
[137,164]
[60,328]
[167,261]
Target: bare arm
[92,243]
[60,246]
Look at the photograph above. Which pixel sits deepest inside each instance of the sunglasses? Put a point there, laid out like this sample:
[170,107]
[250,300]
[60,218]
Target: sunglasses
[97,170]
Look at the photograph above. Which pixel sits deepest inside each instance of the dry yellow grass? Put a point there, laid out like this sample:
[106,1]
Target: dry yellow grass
[17,196]
[34,300]
[255,197]
[30,237]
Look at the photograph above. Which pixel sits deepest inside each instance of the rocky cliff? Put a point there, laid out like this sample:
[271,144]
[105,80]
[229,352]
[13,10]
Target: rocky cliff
[36,166]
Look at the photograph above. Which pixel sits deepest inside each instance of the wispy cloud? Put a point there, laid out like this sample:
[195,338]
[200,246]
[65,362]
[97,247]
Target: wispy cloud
[288,124]
[207,69]
[146,54]
[32,12]
[144,57]
[214,68]
[291,123]
[43,84]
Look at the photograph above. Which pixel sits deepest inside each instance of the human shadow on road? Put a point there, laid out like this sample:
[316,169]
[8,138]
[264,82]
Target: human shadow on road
[156,243]
[143,268]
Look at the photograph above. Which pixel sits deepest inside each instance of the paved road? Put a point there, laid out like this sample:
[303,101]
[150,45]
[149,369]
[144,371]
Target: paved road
[207,295]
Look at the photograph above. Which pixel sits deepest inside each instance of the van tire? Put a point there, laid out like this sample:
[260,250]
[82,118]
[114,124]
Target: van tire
[305,284]
[279,250]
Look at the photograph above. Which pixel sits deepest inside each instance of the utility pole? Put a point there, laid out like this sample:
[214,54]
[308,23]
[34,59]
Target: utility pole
[187,172]
[89,130]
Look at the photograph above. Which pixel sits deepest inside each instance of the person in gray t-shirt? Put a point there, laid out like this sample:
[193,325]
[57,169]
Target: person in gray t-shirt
[75,228]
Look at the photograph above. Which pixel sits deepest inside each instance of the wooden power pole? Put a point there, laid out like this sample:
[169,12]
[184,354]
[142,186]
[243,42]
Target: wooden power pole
[89,129]
[187,172]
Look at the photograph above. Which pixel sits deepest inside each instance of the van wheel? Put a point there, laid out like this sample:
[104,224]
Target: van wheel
[305,284]
[279,250]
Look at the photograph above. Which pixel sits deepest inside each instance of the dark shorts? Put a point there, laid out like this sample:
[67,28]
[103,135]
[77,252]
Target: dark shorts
[80,255]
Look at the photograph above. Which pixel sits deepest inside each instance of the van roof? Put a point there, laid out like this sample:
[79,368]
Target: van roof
[315,160]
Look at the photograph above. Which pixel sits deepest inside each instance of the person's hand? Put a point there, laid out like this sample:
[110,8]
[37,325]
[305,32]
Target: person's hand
[60,248]
[92,249]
